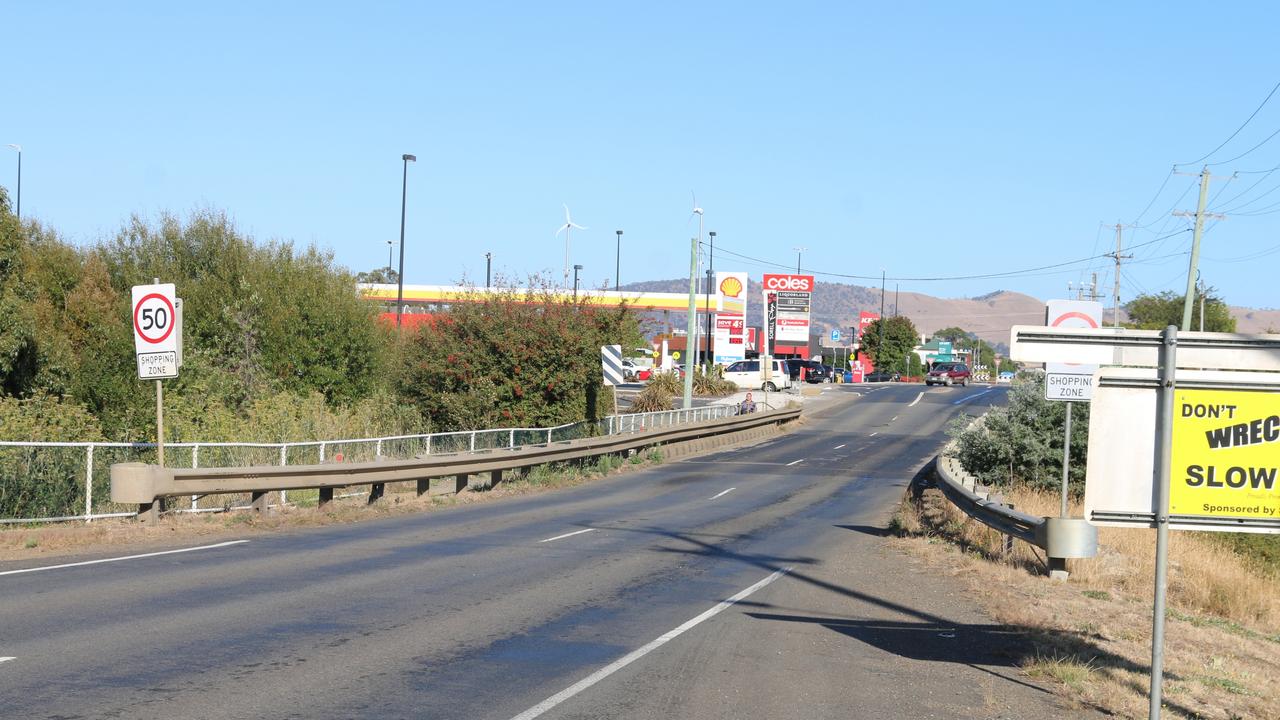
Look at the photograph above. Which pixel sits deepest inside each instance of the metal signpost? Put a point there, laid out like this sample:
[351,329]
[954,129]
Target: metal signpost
[1227,424]
[157,330]
[1070,382]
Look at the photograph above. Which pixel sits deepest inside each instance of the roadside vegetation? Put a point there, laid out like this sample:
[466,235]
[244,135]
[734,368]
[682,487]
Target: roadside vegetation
[278,346]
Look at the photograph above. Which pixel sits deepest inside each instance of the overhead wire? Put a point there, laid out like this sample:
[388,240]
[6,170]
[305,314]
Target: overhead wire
[981,276]
[1237,132]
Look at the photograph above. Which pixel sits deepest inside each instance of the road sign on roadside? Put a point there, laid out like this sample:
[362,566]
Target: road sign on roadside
[835,336]
[611,363]
[1225,456]
[1071,382]
[156,331]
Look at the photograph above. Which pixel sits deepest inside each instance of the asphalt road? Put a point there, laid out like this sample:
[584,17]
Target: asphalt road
[605,600]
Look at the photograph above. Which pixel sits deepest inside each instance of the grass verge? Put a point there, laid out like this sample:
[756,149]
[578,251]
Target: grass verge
[1090,637]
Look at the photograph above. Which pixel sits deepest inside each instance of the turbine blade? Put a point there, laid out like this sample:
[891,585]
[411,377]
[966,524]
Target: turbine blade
[579,227]
[567,219]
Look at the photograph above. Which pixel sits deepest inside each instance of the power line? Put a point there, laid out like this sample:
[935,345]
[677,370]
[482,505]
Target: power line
[983,276]
[1246,152]
[1155,197]
[1237,132]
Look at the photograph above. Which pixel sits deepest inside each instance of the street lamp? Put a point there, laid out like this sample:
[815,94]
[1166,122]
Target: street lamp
[488,263]
[390,247]
[798,250]
[19,149]
[617,263]
[404,194]
[576,268]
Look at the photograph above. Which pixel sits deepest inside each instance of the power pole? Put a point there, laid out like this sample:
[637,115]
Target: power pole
[880,350]
[691,324]
[1195,245]
[1115,315]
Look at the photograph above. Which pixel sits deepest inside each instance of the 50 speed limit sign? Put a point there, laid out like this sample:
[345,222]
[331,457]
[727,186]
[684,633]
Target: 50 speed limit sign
[156,330]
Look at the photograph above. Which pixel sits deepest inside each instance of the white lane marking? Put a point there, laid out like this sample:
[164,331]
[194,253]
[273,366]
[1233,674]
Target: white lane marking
[625,660]
[118,559]
[913,402]
[839,446]
[895,417]
[795,462]
[7,659]
[722,493]
[561,537]
[973,397]
[874,434]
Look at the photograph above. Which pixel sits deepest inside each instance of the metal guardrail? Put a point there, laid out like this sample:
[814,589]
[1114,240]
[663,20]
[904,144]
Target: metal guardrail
[145,485]
[95,457]
[962,490]
[1060,538]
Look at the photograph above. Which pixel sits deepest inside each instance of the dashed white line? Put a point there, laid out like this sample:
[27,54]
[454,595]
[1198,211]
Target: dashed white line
[722,493]
[972,397]
[839,446]
[895,417]
[561,537]
[118,559]
[913,402]
[874,434]
[7,659]
[625,660]
[795,462]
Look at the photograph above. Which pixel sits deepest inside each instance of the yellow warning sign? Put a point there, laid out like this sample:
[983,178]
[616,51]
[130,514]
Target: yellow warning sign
[1226,454]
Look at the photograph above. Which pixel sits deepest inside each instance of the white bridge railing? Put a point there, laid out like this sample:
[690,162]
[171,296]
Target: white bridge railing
[94,459]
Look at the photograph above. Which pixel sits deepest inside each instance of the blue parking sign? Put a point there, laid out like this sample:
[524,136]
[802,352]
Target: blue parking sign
[835,335]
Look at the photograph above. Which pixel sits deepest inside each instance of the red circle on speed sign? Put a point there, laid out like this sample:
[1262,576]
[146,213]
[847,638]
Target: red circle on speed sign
[168,326]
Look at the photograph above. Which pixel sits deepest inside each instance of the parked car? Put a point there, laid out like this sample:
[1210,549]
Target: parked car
[814,371]
[1005,377]
[949,374]
[881,376]
[748,375]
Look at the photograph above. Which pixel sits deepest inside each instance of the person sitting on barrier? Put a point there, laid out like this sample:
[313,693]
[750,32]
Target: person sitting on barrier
[748,405]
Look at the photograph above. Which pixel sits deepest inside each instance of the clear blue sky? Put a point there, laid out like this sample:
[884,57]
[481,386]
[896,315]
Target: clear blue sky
[928,139]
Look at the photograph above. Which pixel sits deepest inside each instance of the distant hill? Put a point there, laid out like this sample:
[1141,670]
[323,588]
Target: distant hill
[836,305]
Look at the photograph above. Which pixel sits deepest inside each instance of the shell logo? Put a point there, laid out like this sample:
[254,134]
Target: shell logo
[731,287]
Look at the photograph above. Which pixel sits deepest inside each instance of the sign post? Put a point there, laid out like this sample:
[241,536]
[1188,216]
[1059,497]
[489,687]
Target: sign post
[1070,382]
[156,333]
[1136,414]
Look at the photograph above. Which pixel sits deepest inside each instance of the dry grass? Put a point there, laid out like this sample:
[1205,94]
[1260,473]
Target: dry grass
[1092,634]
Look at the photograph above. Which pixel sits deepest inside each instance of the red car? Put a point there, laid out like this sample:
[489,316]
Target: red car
[949,373]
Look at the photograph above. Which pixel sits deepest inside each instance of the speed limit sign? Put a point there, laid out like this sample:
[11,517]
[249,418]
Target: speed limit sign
[156,330]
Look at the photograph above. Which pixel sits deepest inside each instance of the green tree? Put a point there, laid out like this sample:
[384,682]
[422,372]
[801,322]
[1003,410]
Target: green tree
[957,336]
[890,352]
[1021,443]
[378,275]
[515,358]
[1156,312]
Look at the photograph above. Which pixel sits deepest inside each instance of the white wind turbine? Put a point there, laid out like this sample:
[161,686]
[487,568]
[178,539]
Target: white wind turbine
[567,228]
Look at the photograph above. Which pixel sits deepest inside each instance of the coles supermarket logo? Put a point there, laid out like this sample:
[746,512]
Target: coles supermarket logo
[796,283]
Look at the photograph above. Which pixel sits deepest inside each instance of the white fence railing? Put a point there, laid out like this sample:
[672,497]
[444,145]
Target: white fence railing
[82,465]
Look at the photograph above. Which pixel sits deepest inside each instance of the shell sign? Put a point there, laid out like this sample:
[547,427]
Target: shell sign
[731,287]
[731,295]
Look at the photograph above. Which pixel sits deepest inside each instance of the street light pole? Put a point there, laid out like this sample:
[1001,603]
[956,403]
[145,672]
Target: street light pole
[799,251]
[19,149]
[404,195]
[488,264]
[390,247]
[576,268]
[617,263]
